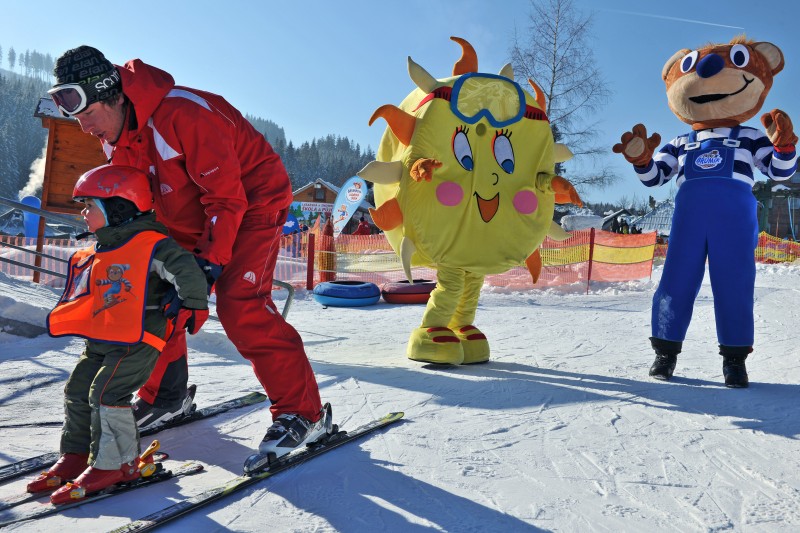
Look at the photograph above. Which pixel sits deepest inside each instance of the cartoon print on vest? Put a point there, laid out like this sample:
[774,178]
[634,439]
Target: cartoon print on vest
[116,282]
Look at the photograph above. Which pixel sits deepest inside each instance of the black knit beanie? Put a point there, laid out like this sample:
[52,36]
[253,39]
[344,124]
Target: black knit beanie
[89,67]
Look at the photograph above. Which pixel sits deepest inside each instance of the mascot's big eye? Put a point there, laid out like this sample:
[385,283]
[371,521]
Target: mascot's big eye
[462,149]
[740,55]
[503,151]
[688,61]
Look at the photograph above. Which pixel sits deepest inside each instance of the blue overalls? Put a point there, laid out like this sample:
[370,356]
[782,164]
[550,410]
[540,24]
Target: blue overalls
[714,218]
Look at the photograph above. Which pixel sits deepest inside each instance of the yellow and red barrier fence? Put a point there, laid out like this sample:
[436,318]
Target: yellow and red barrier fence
[307,258]
[774,250]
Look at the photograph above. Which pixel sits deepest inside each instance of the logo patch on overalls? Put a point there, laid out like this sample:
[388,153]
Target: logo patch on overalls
[708,160]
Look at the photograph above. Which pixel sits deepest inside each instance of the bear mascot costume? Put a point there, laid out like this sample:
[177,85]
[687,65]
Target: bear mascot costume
[714,89]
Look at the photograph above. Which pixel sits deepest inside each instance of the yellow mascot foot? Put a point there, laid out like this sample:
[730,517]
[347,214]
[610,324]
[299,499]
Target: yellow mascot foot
[474,344]
[435,345]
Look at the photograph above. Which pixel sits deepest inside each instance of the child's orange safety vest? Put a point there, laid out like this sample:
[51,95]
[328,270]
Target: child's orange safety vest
[106,292]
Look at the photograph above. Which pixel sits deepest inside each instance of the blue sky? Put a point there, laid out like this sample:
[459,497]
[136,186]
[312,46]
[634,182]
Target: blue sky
[319,67]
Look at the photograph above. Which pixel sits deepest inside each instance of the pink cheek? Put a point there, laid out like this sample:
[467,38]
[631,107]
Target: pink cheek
[449,194]
[526,202]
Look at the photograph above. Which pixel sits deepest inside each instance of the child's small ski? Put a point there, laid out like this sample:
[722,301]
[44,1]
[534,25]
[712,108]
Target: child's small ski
[43,462]
[236,484]
[45,509]
[25,497]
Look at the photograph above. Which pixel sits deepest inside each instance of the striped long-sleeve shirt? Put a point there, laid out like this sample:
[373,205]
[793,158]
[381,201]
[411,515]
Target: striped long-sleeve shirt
[754,151]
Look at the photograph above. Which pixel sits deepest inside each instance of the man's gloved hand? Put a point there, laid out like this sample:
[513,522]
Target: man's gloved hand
[191,319]
[211,270]
[171,303]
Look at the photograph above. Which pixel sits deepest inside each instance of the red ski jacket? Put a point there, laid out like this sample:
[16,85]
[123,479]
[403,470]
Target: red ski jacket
[209,166]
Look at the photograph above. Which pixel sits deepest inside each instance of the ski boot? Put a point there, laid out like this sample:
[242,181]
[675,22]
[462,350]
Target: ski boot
[733,368]
[94,480]
[287,433]
[68,467]
[149,416]
[666,358]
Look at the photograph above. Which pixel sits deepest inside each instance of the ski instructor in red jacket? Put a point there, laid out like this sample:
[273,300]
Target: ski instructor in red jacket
[224,194]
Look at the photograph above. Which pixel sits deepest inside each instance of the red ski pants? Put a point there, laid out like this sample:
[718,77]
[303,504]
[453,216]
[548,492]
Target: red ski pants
[254,325]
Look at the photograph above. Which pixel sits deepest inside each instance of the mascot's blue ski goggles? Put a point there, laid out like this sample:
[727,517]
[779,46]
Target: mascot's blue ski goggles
[496,98]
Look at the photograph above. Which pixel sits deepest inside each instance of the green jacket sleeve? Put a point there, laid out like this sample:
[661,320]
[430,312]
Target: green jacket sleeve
[178,267]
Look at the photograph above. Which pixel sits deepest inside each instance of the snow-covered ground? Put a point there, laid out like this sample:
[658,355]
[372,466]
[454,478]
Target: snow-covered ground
[561,431]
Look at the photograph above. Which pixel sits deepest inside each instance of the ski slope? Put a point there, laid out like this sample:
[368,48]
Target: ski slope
[561,431]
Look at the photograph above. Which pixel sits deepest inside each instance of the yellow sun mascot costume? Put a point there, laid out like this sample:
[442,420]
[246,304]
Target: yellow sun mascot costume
[465,184]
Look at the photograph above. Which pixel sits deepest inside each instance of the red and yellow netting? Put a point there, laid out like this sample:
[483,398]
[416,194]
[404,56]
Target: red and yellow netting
[588,255]
[774,250]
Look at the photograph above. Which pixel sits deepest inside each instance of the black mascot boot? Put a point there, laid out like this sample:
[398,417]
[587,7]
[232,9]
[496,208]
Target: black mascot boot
[666,357]
[733,368]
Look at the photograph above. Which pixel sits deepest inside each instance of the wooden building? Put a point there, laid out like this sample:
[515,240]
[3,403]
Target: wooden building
[779,207]
[317,198]
[70,153]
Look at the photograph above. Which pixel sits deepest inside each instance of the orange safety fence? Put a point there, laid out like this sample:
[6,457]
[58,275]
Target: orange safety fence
[622,257]
[774,250]
[370,258]
[56,248]
[588,255]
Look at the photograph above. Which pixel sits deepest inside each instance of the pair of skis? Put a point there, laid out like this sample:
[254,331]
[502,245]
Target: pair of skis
[154,520]
[44,461]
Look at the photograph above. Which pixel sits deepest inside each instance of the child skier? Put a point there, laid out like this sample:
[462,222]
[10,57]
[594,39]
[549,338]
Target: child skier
[125,328]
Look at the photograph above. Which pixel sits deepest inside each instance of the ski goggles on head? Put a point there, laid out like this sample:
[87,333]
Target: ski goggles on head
[70,98]
[496,98]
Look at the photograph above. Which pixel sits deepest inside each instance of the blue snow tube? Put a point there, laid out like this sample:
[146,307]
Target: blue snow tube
[347,293]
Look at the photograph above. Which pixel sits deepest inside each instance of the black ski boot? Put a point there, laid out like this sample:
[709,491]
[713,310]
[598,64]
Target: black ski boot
[733,368]
[666,358]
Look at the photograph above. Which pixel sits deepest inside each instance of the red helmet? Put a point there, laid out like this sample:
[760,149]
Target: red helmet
[109,181]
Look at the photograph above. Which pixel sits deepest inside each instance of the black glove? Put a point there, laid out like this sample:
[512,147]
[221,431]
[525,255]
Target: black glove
[171,303]
[211,270]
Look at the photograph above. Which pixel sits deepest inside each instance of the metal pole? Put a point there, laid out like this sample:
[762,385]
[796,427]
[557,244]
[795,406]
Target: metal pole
[61,219]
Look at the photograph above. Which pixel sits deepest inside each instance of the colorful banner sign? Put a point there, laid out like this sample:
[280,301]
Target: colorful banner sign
[291,225]
[350,197]
[31,220]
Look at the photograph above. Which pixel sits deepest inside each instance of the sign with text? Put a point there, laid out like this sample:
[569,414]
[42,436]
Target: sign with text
[350,197]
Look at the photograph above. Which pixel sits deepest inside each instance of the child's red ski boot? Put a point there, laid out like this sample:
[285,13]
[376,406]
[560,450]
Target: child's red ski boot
[68,467]
[95,479]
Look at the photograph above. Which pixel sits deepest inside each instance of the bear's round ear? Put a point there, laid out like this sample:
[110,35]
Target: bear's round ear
[772,54]
[671,61]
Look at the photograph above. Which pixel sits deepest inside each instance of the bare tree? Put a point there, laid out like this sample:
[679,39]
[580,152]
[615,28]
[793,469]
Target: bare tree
[555,52]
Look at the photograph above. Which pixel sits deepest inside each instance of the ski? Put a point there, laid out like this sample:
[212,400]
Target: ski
[43,462]
[45,509]
[236,484]
[25,497]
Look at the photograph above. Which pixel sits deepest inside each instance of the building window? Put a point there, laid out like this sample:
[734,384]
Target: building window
[319,192]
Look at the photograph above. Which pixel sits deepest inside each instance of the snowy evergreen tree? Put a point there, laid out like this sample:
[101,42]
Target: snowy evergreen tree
[21,134]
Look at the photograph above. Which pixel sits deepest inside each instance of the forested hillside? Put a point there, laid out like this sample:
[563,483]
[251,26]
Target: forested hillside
[22,136]
[331,158]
